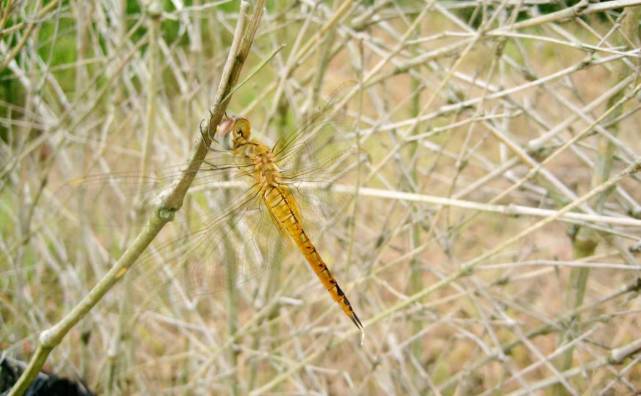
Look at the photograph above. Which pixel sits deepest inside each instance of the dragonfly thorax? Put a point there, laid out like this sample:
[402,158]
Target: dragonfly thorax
[265,169]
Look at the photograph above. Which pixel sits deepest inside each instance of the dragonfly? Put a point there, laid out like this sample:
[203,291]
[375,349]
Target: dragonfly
[273,187]
[269,184]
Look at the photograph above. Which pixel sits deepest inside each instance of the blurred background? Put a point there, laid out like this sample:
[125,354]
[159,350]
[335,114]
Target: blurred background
[464,168]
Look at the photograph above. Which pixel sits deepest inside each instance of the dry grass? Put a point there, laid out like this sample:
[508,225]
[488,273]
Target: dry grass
[480,156]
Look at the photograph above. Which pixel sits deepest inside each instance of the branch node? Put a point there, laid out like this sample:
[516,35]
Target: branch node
[166,214]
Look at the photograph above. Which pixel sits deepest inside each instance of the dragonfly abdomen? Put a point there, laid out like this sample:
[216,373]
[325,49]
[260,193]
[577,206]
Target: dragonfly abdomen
[284,209]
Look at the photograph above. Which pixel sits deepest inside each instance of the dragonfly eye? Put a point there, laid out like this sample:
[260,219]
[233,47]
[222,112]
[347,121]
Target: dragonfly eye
[243,127]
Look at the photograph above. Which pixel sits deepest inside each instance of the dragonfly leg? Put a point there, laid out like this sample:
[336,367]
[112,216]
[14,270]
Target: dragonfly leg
[204,132]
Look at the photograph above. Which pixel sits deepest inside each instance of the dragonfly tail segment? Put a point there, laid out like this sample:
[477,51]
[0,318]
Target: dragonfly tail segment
[283,206]
[327,279]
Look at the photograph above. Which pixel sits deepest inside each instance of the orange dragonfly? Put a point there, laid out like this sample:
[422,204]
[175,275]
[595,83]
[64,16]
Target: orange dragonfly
[275,194]
[273,177]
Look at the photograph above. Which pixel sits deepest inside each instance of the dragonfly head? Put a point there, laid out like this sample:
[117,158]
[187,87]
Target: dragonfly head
[235,132]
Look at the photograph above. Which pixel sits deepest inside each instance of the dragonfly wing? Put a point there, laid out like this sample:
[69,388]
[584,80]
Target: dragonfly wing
[83,198]
[309,125]
[186,259]
[324,151]
[196,261]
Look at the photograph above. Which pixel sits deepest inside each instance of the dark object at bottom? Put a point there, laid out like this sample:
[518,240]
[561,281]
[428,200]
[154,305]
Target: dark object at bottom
[43,385]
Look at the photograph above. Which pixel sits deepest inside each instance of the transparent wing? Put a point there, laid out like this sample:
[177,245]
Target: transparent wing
[219,258]
[128,194]
[317,157]
[319,142]
[191,256]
